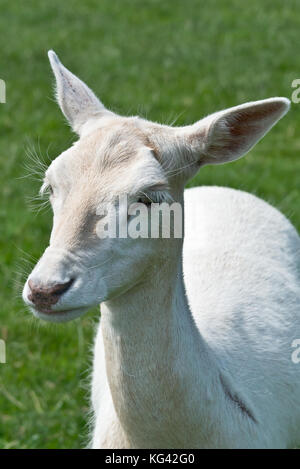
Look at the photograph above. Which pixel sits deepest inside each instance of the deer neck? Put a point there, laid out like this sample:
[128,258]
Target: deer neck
[158,365]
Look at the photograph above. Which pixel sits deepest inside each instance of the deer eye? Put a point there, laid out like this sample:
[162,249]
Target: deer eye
[145,200]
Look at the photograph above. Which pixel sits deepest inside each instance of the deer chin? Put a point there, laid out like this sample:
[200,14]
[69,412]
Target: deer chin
[59,315]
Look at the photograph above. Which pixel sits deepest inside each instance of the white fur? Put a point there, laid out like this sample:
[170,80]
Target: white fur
[192,354]
[241,271]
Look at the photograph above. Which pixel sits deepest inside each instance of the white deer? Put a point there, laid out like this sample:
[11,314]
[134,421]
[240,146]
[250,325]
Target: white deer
[195,341]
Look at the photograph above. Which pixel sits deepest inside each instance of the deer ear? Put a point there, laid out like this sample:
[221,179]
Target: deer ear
[77,102]
[228,135]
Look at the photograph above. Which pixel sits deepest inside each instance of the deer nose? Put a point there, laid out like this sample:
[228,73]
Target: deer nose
[43,297]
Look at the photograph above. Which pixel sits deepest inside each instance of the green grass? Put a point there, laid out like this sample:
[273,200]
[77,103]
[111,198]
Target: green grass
[164,60]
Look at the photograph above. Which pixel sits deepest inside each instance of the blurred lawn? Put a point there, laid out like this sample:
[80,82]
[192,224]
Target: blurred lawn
[164,60]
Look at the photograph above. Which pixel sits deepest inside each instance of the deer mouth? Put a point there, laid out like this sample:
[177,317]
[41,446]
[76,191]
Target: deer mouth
[62,315]
[51,311]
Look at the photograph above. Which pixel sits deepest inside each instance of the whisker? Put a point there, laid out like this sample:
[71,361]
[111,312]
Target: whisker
[99,265]
[35,259]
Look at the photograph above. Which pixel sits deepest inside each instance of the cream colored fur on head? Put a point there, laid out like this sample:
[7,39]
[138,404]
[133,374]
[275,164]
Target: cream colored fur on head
[194,345]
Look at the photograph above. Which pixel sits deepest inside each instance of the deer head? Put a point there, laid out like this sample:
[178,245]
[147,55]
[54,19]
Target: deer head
[123,156]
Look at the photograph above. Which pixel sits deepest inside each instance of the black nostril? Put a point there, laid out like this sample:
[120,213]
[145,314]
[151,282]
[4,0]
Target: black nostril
[46,296]
[61,288]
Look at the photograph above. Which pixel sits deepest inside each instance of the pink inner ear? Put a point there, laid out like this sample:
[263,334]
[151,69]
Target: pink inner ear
[234,133]
[253,117]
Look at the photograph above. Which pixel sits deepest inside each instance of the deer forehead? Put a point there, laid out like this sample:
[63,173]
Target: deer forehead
[116,157]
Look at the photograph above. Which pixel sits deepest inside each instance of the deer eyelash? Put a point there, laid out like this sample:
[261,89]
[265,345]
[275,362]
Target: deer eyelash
[46,189]
[156,196]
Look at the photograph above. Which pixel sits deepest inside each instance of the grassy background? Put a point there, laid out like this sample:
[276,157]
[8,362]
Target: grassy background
[164,60]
